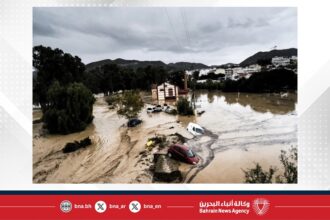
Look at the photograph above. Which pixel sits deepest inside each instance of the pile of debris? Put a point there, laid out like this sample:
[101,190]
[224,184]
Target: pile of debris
[71,147]
[163,168]
[166,170]
[161,141]
[158,140]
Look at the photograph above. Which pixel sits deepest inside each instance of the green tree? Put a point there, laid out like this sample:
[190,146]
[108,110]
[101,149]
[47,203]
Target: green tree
[93,79]
[69,109]
[53,65]
[130,104]
[66,103]
[183,107]
[110,78]
[196,75]
[177,78]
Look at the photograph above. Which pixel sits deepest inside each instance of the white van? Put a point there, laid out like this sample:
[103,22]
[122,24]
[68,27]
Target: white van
[195,129]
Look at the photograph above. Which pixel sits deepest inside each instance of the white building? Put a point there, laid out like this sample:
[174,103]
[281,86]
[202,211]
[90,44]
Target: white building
[280,61]
[205,71]
[205,80]
[220,71]
[229,73]
[234,73]
[254,68]
[165,91]
[294,59]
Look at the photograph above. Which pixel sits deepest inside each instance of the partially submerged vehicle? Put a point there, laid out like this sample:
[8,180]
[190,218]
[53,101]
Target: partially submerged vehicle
[133,122]
[168,110]
[158,108]
[195,129]
[150,110]
[183,153]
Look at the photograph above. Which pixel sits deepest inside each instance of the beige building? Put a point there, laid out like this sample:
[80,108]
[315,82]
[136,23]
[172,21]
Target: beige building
[164,91]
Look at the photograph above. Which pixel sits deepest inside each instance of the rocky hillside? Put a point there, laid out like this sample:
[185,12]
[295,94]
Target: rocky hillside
[268,55]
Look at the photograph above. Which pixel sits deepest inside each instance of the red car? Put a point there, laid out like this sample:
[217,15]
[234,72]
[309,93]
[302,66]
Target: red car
[183,153]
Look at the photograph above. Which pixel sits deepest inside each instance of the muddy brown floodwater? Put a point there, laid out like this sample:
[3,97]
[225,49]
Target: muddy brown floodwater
[241,129]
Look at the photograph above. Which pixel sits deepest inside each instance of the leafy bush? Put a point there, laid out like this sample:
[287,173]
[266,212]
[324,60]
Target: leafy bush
[258,175]
[69,109]
[289,162]
[112,99]
[130,104]
[183,107]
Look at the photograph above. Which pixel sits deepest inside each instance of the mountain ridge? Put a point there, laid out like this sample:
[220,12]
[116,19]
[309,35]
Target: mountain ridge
[137,63]
[254,59]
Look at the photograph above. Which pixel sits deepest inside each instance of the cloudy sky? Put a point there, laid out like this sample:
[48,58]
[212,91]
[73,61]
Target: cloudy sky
[206,35]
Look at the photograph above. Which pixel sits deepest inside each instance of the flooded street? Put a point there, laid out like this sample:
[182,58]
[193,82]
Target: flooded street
[241,129]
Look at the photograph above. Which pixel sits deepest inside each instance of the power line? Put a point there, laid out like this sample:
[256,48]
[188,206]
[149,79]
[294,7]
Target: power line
[184,20]
[172,27]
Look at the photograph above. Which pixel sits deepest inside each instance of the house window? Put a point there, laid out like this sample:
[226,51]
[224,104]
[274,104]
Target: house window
[170,92]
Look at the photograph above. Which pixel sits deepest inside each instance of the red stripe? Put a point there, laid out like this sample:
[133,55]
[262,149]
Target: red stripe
[168,207]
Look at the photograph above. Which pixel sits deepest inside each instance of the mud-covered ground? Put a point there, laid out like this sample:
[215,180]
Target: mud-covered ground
[241,129]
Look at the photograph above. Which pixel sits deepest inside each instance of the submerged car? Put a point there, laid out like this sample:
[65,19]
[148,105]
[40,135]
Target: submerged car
[168,109]
[150,110]
[133,122]
[158,108]
[195,129]
[183,153]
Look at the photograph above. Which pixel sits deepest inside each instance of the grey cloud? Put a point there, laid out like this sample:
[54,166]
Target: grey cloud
[246,23]
[43,29]
[163,33]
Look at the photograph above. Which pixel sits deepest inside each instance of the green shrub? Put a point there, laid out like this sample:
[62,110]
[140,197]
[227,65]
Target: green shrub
[112,99]
[289,161]
[258,175]
[183,107]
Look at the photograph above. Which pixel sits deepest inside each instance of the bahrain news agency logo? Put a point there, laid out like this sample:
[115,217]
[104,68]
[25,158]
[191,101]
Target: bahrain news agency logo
[66,206]
[260,206]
